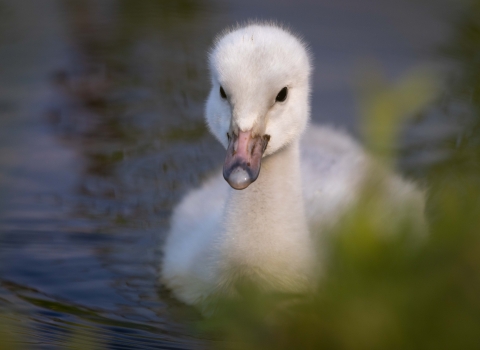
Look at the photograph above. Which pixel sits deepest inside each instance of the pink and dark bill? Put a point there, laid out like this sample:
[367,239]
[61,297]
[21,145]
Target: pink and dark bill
[244,157]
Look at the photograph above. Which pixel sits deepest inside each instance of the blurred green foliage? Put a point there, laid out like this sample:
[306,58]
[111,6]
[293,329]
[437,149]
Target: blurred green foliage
[385,107]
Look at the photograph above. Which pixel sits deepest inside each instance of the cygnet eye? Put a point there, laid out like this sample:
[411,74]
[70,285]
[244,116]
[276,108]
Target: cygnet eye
[282,95]
[222,93]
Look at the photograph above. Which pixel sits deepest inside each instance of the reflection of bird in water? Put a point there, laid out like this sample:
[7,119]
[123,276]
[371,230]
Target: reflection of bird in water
[260,229]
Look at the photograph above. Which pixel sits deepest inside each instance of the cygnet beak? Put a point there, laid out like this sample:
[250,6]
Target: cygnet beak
[244,157]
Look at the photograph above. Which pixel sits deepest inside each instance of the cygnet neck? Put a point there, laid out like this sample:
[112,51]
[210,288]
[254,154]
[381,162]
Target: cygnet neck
[265,224]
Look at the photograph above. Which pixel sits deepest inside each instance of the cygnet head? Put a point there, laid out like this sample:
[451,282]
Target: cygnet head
[259,101]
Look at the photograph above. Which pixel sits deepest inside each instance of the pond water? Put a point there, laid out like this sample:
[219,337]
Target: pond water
[101,133]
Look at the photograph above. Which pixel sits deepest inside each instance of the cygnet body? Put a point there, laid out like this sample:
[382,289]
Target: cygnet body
[286,181]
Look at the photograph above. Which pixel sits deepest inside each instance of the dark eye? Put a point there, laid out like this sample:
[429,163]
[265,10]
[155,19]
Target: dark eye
[282,95]
[222,93]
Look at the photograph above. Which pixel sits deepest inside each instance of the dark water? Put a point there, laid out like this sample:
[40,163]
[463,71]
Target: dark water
[101,133]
